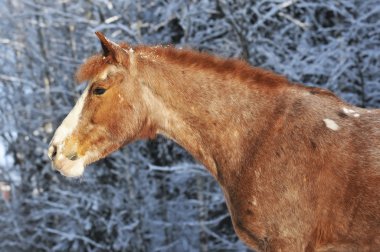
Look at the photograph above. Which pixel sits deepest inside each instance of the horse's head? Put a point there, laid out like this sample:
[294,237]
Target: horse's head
[109,113]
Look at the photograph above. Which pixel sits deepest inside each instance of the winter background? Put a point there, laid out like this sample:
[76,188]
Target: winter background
[151,195]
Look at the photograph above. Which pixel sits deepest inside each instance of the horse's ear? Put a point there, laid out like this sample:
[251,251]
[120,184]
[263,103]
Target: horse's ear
[111,49]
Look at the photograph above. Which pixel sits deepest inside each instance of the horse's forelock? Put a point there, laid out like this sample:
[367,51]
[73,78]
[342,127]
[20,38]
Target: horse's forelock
[91,67]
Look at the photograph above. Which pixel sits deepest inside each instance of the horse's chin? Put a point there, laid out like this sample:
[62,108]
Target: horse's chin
[70,168]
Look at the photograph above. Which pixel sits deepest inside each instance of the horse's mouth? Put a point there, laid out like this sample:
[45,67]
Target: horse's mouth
[71,168]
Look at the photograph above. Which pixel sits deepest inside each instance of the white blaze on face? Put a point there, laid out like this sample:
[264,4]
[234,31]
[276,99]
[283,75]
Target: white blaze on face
[68,167]
[71,121]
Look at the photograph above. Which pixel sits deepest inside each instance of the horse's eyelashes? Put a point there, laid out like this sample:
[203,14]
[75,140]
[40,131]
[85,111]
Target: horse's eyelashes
[99,91]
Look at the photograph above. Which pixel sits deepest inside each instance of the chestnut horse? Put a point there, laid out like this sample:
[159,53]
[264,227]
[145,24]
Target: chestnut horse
[299,168]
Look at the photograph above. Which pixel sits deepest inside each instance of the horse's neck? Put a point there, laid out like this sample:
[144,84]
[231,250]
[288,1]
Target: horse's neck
[209,115]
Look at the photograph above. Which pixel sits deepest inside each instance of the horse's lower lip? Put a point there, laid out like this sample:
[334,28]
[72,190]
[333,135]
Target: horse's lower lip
[69,173]
[73,167]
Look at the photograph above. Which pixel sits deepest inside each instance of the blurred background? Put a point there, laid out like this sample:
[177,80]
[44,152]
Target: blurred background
[151,195]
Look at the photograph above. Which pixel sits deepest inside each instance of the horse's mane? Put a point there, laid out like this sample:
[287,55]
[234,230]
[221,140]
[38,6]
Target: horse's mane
[90,68]
[193,59]
[207,62]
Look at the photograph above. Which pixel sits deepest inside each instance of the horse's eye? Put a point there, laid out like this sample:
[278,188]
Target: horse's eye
[99,91]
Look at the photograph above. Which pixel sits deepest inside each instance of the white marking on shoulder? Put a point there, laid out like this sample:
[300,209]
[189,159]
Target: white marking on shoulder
[331,124]
[254,201]
[350,112]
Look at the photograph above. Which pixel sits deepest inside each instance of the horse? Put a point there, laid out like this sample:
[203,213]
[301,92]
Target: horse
[299,167]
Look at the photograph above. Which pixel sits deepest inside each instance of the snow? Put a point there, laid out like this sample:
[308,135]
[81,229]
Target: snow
[152,195]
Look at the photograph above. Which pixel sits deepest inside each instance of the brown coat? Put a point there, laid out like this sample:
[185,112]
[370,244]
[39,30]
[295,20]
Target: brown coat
[299,168]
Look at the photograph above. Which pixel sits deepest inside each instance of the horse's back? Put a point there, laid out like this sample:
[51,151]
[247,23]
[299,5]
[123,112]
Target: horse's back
[353,146]
[338,149]
[366,216]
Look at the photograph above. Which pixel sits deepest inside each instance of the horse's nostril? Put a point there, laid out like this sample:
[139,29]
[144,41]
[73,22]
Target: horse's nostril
[52,152]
